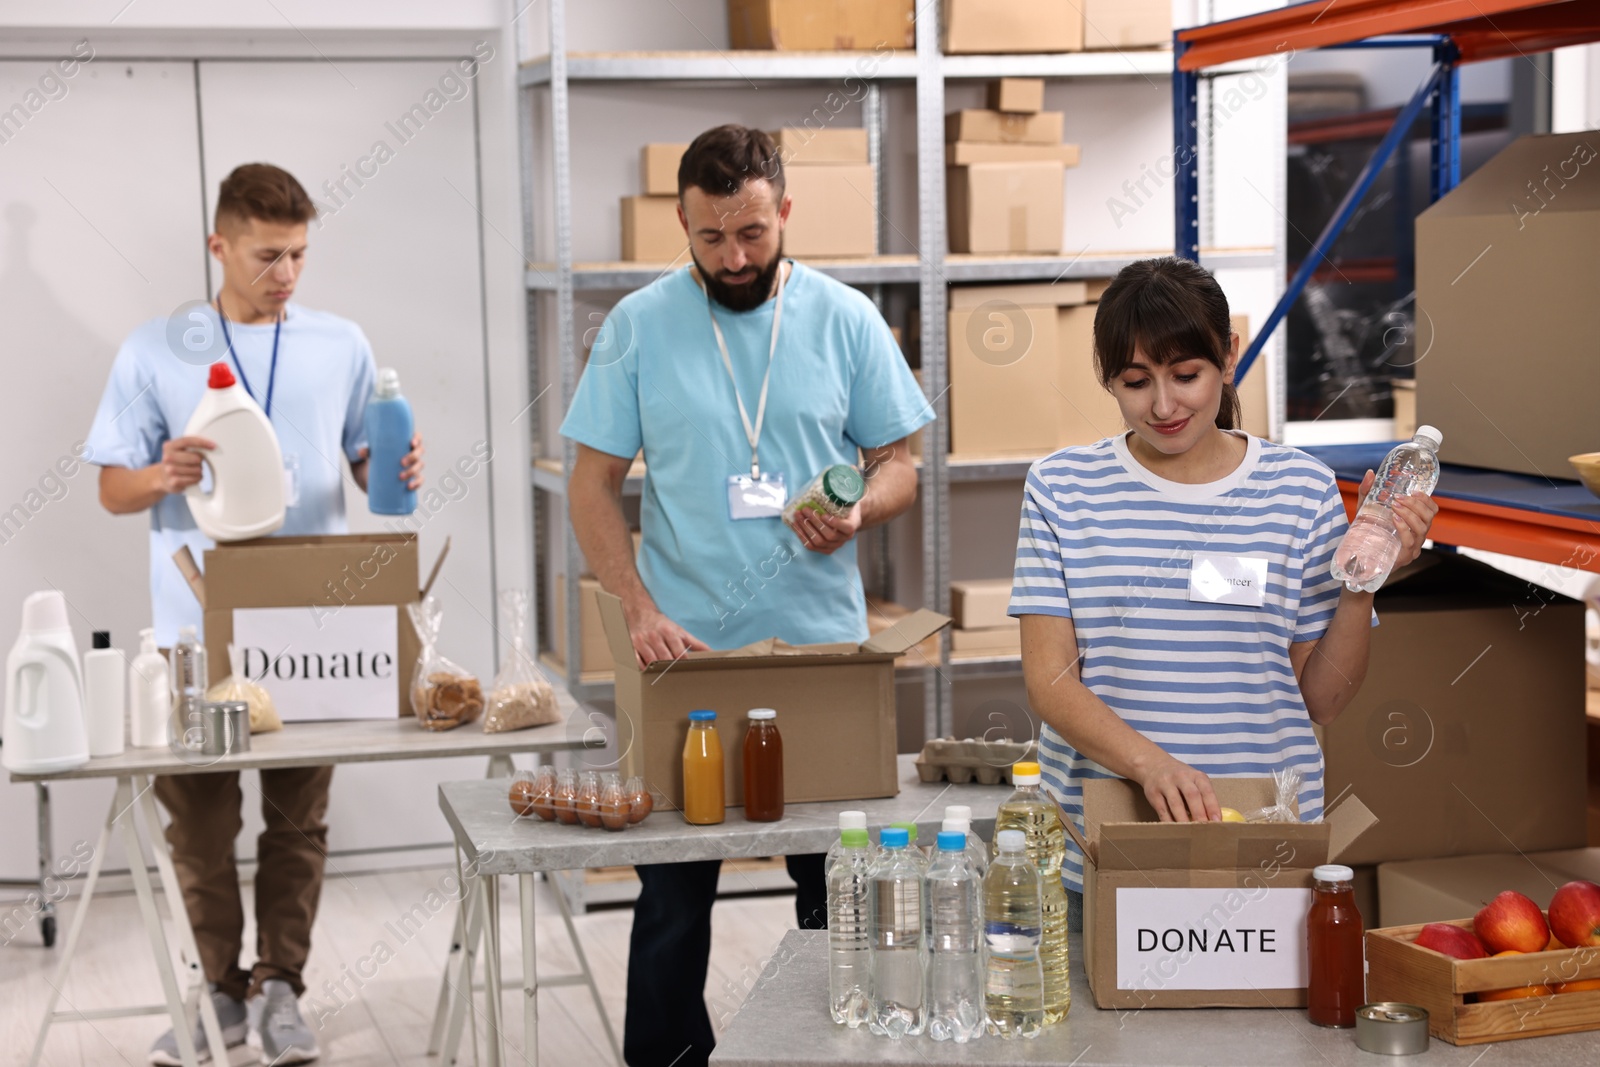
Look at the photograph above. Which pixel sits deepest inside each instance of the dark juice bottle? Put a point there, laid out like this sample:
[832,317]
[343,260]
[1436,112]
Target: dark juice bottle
[763,768]
[1337,985]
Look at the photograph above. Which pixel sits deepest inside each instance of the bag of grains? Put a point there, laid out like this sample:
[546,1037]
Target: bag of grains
[443,695]
[238,686]
[520,697]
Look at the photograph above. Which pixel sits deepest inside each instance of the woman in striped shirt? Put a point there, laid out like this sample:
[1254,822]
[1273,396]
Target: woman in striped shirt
[1179,618]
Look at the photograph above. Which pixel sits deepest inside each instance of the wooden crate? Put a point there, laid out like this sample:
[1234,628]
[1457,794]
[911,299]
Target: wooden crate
[1399,970]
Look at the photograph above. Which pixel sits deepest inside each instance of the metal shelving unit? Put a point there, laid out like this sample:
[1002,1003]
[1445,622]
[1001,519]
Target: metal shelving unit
[932,270]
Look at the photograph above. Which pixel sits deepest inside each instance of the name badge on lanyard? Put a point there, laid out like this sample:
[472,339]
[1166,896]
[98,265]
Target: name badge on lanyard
[759,494]
[1218,578]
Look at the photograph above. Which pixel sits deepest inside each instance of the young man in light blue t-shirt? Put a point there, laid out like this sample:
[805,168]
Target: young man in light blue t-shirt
[312,373]
[738,380]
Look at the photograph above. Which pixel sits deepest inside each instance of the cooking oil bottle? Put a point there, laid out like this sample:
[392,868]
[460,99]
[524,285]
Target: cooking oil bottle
[1030,811]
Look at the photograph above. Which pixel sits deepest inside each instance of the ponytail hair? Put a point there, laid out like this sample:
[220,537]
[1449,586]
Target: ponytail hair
[1169,309]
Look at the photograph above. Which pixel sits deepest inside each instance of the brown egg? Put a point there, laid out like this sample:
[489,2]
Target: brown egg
[522,797]
[589,812]
[640,805]
[544,806]
[565,812]
[614,815]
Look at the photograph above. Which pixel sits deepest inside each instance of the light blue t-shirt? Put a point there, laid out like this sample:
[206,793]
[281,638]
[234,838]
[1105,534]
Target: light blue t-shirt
[325,376]
[655,381]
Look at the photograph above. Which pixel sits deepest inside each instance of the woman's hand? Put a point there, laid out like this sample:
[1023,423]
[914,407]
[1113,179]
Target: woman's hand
[1413,518]
[1179,793]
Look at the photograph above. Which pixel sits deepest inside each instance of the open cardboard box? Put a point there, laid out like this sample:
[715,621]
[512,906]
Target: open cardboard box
[835,705]
[1200,915]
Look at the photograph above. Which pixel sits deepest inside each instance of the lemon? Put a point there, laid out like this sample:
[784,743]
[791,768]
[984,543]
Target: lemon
[1229,815]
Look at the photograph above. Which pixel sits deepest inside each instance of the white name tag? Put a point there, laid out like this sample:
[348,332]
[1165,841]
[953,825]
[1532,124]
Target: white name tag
[756,498]
[1216,578]
[1232,938]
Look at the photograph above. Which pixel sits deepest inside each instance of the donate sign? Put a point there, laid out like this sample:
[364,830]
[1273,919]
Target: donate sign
[1212,938]
[321,666]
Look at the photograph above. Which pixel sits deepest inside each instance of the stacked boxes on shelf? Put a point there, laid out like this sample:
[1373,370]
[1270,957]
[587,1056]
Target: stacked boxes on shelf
[835,192]
[1007,173]
[821,25]
[651,232]
[993,26]
[982,627]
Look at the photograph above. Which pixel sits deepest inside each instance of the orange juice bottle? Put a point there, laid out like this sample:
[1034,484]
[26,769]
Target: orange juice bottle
[702,770]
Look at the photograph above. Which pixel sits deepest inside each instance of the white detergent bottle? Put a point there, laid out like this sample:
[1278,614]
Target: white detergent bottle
[247,480]
[149,699]
[45,730]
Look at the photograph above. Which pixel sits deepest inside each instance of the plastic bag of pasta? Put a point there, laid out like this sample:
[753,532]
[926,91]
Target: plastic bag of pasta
[443,694]
[520,697]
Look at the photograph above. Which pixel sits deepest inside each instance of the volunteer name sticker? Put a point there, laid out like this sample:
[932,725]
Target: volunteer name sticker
[1218,578]
[321,665]
[1223,938]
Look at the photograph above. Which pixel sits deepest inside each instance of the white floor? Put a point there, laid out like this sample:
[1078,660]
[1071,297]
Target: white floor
[384,1020]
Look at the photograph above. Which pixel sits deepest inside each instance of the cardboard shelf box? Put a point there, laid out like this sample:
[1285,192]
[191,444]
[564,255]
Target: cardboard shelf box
[1000,127]
[651,232]
[835,211]
[1020,95]
[1425,891]
[993,26]
[1161,900]
[979,604]
[995,640]
[831,144]
[658,168]
[821,25]
[1123,24]
[1006,207]
[835,704]
[594,654]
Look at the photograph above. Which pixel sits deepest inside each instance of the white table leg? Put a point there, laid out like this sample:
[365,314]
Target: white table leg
[586,972]
[152,923]
[178,910]
[491,967]
[461,981]
[530,974]
[71,947]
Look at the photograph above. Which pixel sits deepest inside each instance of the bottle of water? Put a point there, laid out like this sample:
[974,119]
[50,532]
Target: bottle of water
[848,820]
[897,997]
[958,817]
[1013,984]
[189,678]
[1030,811]
[922,858]
[1371,545]
[955,932]
[850,927]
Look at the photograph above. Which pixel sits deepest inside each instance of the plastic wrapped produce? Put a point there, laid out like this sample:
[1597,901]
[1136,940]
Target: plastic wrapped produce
[443,695]
[520,697]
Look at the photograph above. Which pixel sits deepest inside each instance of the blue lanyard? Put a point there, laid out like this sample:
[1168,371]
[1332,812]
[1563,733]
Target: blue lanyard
[272,373]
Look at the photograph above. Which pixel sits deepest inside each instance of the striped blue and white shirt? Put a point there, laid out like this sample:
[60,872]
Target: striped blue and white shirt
[1108,544]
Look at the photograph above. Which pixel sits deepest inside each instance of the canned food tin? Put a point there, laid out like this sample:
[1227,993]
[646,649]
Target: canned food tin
[226,728]
[1392,1029]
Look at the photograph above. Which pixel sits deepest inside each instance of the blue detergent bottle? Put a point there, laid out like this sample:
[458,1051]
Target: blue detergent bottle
[389,429]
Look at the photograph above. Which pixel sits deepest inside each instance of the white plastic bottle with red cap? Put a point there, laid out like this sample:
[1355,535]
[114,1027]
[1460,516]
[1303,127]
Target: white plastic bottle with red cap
[246,498]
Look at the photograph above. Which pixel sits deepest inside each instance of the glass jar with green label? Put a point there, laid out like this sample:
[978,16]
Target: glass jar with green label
[833,492]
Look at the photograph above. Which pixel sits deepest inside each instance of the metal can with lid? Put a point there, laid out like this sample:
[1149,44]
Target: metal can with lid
[1392,1029]
[225,728]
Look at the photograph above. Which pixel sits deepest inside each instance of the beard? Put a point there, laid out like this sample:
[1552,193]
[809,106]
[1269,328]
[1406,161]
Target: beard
[744,296]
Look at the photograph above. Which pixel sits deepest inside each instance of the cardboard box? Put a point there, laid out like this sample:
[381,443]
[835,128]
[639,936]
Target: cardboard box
[322,621]
[658,168]
[981,604]
[821,25]
[1425,891]
[1094,287]
[1007,207]
[835,210]
[994,641]
[651,232]
[594,653]
[1505,277]
[1021,95]
[1253,394]
[963,152]
[1468,734]
[1089,412]
[835,704]
[830,145]
[984,26]
[976,124]
[1042,294]
[1126,23]
[884,614]
[1405,408]
[1001,365]
[1160,899]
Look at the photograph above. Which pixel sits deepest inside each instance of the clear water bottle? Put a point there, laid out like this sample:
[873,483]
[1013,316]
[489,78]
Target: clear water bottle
[922,858]
[189,679]
[897,995]
[848,820]
[958,817]
[1033,813]
[955,935]
[1013,984]
[850,927]
[1367,554]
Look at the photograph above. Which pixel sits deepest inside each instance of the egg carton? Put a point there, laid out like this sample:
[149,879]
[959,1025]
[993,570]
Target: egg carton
[960,762]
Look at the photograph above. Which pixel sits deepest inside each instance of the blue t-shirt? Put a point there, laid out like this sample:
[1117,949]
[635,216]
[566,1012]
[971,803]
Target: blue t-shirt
[325,376]
[1107,543]
[655,382]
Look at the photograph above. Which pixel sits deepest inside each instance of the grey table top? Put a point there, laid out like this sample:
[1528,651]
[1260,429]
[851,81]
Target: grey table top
[305,744]
[497,842]
[785,1020]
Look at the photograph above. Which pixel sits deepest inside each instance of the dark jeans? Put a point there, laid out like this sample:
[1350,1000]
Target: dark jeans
[667,1024]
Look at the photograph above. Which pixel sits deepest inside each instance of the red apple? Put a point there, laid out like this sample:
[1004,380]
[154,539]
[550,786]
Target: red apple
[1575,914]
[1453,941]
[1512,922]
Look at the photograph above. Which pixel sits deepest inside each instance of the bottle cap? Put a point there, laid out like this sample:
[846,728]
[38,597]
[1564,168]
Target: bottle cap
[187,633]
[100,639]
[854,838]
[702,716]
[221,376]
[952,841]
[959,811]
[44,611]
[910,828]
[1011,840]
[844,485]
[852,820]
[763,714]
[388,384]
[147,640]
[1332,872]
[1025,773]
[1429,434]
[954,826]
[892,837]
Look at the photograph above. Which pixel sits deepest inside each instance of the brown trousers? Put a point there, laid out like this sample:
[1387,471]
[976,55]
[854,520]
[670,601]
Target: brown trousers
[290,853]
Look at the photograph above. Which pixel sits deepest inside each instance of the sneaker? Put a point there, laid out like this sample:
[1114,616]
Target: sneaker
[231,1015]
[276,1029]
